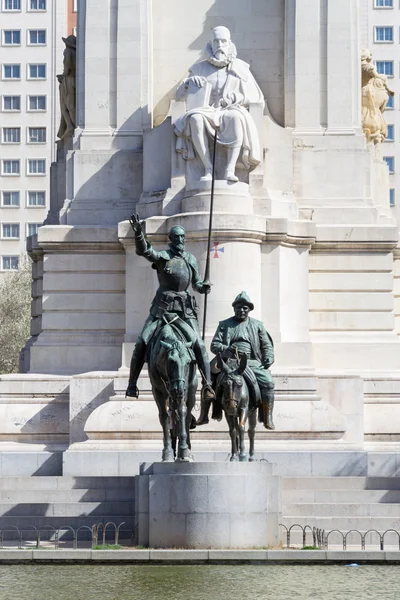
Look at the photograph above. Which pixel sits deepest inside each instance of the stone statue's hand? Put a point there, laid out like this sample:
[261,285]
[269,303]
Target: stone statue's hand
[197,80]
[136,224]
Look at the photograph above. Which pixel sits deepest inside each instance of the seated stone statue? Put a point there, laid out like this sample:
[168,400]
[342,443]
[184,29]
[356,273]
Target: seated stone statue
[229,89]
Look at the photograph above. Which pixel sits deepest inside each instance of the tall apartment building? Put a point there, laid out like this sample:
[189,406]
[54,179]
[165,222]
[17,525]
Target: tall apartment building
[31,55]
[380,32]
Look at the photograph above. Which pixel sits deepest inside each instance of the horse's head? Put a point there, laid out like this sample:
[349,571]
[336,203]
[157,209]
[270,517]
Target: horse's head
[232,384]
[178,362]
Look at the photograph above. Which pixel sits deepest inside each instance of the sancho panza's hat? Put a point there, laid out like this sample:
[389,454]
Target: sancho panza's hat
[243,298]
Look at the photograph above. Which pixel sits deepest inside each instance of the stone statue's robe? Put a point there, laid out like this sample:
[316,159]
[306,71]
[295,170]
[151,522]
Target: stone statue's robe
[239,84]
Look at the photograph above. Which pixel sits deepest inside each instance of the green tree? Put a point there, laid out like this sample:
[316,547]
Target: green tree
[15,315]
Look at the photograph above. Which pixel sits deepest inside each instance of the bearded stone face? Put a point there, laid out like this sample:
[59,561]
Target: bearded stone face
[221,50]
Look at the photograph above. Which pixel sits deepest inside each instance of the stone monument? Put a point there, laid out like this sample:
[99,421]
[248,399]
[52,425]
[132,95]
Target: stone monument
[307,232]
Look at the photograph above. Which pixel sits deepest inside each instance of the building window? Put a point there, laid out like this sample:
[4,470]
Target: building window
[75,6]
[36,103]
[383,34]
[36,135]
[36,198]
[10,231]
[383,3]
[10,167]
[37,71]
[10,199]
[32,228]
[36,166]
[385,67]
[37,4]
[11,4]
[390,133]
[11,37]
[10,263]
[37,37]
[11,71]
[390,103]
[11,135]
[392,197]
[12,103]
[389,160]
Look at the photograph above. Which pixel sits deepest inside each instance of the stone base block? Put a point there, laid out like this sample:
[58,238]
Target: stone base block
[207,505]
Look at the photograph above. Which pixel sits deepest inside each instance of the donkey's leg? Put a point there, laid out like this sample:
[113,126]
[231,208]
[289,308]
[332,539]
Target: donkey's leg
[241,431]
[252,433]
[168,453]
[233,433]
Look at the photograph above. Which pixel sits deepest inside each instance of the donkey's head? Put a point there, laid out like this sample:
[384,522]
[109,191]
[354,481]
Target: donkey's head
[231,381]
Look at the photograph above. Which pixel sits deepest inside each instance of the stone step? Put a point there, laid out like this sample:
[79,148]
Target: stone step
[66,483]
[296,496]
[341,483]
[68,510]
[79,495]
[317,509]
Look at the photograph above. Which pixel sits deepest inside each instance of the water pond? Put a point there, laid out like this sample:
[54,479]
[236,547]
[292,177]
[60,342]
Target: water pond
[208,582]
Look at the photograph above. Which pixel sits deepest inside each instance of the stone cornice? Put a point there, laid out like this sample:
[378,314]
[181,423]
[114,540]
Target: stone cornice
[242,228]
[66,239]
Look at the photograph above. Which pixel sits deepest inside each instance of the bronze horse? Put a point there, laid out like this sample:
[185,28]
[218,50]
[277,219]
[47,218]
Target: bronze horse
[233,392]
[172,372]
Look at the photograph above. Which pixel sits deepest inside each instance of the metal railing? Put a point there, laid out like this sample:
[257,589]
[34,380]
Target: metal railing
[320,537]
[104,531]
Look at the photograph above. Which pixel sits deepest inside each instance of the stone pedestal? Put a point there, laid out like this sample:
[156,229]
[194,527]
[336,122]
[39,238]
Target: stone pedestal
[208,505]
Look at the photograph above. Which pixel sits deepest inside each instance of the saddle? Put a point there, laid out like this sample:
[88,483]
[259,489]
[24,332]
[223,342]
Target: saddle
[182,331]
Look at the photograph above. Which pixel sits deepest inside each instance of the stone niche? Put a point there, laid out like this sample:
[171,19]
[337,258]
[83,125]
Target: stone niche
[258,31]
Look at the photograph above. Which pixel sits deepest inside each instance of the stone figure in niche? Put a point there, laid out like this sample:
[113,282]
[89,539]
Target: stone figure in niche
[177,270]
[375,95]
[219,91]
[240,336]
[68,89]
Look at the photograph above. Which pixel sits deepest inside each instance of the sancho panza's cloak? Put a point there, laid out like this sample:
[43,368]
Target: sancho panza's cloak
[241,83]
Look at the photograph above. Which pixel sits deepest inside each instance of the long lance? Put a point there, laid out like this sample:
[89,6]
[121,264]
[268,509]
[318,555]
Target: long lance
[207,271]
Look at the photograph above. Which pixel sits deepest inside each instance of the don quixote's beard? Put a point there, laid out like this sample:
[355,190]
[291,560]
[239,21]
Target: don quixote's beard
[221,58]
[177,248]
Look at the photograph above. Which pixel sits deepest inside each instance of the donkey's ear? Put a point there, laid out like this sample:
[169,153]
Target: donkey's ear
[242,364]
[166,345]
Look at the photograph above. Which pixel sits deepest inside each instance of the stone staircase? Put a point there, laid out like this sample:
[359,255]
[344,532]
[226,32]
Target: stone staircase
[56,502]
[343,503]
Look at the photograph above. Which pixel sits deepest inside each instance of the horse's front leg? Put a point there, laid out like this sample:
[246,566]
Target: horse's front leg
[168,453]
[183,448]
[241,431]
[252,433]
